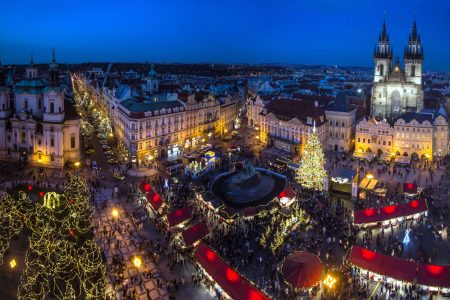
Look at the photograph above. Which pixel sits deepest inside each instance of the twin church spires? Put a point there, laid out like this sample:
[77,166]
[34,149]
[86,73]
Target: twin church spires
[413,57]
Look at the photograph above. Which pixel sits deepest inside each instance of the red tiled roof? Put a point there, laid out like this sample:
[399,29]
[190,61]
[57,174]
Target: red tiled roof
[294,108]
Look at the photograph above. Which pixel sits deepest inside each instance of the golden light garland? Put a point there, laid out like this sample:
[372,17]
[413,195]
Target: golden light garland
[62,260]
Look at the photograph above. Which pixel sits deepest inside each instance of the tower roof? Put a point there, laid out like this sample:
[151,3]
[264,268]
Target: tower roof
[414,49]
[53,65]
[152,71]
[383,47]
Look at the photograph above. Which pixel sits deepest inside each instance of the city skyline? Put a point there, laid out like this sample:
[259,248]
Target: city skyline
[320,33]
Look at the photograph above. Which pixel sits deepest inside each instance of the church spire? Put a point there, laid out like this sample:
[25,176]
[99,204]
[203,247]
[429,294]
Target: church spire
[383,48]
[414,49]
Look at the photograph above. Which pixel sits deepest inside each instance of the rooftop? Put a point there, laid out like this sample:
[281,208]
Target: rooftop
[135,105]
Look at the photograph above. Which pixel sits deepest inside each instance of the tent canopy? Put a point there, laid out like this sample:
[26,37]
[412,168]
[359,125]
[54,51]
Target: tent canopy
[302,269]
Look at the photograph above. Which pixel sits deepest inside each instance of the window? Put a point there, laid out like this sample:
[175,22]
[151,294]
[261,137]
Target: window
[52,107]
[52,142]
[25,104]
[39,104]
[24,137]
[72,142]
[413,71]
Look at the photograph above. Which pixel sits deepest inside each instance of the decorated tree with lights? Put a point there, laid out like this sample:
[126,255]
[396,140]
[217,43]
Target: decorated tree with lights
[62,260]
[312,172]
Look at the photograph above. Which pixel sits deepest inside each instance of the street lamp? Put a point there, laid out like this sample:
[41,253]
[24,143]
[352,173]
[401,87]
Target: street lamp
[115,213]
[329,281]
[137,262]
[12,264]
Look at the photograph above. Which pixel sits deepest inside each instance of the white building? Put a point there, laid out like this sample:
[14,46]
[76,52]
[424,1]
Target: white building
[40,127]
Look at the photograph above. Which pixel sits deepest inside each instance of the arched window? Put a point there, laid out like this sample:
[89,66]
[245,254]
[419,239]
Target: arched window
[382,70]
[413,71]
[25,104]
[52,107]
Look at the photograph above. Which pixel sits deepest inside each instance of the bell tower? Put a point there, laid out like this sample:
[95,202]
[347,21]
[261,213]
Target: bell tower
[382,56]
[414,57]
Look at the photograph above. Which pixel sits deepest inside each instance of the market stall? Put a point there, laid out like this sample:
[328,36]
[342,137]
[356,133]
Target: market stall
[153,198]
[390,214]
[286,197]
[430,277]
[179,217]
[195,233]
[233,284]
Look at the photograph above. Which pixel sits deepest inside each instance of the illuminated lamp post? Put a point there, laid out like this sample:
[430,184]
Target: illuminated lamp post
[12,265]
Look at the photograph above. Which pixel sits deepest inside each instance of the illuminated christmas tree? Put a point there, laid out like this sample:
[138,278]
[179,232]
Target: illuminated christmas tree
[62,260]
[312,172]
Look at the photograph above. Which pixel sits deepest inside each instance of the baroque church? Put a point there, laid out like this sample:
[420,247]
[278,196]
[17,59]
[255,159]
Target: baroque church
[399,127]
[37,125]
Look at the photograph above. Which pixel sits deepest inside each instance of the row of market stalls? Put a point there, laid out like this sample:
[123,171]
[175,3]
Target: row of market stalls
[229,280]
[177,220]
[400,270]
[390,214]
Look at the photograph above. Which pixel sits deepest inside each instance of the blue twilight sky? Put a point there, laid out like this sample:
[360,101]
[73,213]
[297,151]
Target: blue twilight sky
[253,31]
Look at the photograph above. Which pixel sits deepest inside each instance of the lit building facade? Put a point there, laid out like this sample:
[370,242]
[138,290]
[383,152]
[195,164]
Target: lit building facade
[341,120]
[286,124]
[41,127]
[166,125]
[400,128]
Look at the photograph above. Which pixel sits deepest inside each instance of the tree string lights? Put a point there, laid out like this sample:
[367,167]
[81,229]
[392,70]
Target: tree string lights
[62,260]
[312,172]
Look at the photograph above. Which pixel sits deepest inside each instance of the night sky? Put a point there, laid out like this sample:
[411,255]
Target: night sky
[250,31]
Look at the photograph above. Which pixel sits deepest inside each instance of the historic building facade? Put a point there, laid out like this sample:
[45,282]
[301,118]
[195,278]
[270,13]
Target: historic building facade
[166,124]
[40,127]
[399,127]
[286,124]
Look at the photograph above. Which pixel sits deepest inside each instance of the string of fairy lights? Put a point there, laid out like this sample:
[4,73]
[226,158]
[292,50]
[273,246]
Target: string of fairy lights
[62,260]
[311,172]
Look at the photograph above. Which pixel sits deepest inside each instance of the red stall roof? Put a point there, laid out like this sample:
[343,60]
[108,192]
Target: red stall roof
[433,275]
[399,268]
[178,216]
[410,188]
[145,186]
[234,284]
[194,233]
[373,215]
[287,192]
[154,199]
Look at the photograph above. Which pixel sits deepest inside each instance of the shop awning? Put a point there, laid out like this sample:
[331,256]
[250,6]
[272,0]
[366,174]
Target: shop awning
[400,269]
[178,216]
[195,233]
[234,284]
[433,275]
[302,269]
[374,215]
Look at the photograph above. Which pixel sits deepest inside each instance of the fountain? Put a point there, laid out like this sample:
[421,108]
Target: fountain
[247,186]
